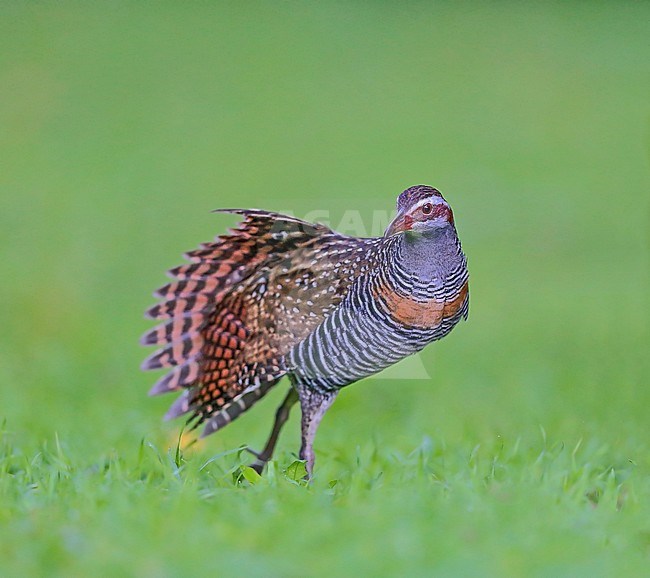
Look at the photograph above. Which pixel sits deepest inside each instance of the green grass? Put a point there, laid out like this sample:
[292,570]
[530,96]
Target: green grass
[502,508]
[525,454]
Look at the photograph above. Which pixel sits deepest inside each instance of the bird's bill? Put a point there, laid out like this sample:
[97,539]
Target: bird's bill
[399,224]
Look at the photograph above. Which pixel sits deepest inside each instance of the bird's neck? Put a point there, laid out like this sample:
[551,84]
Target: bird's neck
[426,261]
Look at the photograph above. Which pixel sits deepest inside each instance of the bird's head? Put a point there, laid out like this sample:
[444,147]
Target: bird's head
[420,209]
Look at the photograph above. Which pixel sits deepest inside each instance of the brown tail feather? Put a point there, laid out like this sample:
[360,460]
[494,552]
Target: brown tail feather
[181,376]
[180,407]
[175,354]
[235,408]
[177,329]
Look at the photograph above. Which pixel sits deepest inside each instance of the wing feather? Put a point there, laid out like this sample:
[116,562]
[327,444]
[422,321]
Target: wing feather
[233,312]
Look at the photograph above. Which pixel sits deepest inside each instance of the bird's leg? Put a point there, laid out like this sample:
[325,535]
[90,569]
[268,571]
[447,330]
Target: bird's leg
[313,405]
[281,416]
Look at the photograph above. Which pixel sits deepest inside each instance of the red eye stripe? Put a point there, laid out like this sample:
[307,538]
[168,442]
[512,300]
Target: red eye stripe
[444,211]
[439,210]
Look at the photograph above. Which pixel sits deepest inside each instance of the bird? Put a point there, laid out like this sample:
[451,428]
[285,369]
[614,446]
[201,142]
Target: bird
[278,297]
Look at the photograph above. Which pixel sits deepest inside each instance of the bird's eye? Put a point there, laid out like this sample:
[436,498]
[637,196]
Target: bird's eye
[427,209]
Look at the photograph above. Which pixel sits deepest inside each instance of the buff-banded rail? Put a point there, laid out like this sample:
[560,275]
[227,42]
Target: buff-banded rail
[278,296]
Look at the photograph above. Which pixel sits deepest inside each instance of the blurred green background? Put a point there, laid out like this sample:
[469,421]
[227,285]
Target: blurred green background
[122,125]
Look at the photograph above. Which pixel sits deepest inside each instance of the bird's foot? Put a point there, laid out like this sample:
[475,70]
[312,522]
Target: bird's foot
[258,466]
[261,459]
[258,455]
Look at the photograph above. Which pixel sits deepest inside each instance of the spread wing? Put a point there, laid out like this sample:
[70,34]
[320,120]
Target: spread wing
[232,313]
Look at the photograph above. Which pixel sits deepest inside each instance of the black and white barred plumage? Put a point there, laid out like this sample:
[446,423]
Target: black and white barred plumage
[362,337]
[279,296]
